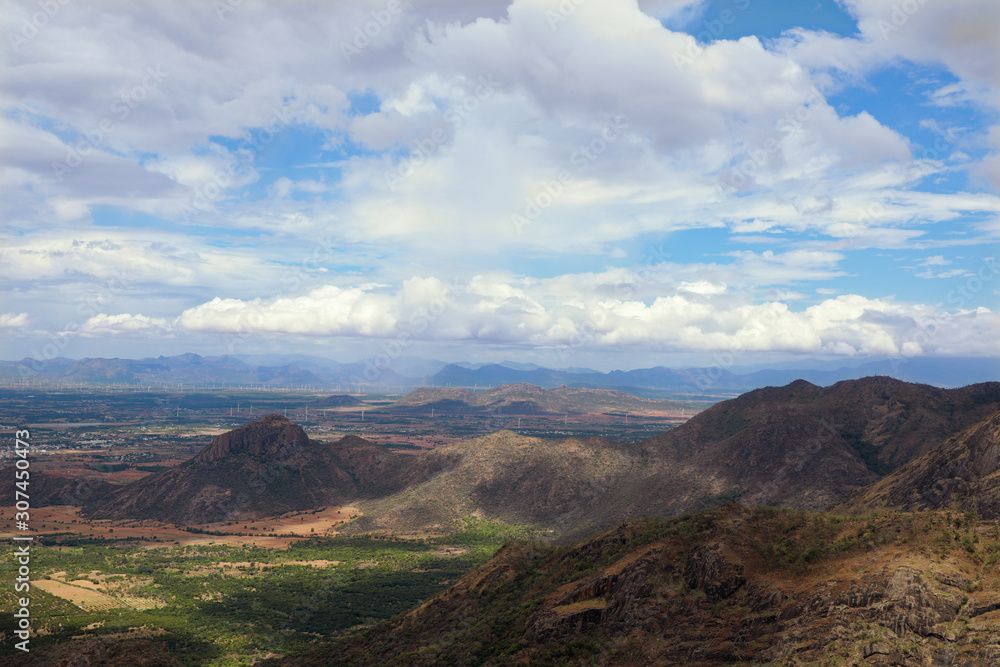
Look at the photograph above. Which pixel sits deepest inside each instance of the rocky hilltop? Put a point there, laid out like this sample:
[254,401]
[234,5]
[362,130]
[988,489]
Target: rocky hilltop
[272,437]
[733,585]
[267,467]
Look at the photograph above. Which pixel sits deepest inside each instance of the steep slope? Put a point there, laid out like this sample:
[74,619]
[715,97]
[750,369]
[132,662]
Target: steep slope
[730,586]
[961,472]
[264,468]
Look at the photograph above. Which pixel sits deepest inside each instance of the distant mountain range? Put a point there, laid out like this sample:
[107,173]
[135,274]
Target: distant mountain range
[408,372]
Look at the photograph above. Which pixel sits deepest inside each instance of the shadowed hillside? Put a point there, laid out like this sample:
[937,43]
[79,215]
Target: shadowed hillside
[49,489]
[961,473]
[730,586]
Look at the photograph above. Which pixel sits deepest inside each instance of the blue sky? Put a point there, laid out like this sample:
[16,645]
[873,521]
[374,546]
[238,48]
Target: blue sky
[594,182]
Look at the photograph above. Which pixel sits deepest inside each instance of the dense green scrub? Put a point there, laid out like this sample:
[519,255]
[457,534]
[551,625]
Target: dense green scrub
[224,605]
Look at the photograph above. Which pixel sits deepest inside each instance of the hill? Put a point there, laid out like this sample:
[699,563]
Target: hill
[48,489]
[528,399]
[556,484]
[960,473]
[729,586]
[264,468]
[336,401]
[799,446]
[884,422]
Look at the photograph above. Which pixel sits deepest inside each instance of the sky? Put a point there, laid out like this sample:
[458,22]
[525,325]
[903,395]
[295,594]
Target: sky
[597,183]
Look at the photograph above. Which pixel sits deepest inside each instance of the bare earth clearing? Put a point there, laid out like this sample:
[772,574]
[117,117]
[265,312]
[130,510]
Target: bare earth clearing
[273,532]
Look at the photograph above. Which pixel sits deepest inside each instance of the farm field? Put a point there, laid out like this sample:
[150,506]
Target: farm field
[63,522]
[233,600]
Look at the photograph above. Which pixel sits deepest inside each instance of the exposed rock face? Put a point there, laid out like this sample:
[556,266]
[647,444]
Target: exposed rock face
[272,437]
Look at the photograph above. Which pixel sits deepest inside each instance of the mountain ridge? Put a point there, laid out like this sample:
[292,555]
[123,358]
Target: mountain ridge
[278,370]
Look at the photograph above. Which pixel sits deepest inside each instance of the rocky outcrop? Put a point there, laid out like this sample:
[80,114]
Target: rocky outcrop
[272,437]
[708,571]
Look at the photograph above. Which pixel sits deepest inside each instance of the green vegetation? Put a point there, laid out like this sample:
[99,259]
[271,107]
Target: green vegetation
[867,452]
[223,605]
